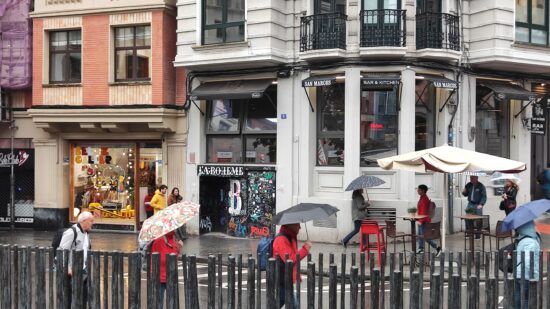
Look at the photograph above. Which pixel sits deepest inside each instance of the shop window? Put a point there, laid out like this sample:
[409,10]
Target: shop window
[330,124]
[532,21]
[425,107]
[492,125]
[65,56]
[379,125]
[132,53]
[242,131]
[223,21]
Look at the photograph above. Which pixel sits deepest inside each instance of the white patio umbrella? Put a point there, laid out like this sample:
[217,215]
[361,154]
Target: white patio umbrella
[448,159]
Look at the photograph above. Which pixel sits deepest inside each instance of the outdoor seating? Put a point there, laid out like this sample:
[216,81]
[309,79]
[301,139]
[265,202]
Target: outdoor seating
[372,228]
[478,226]
[498,235]
[432,231]
[391,232]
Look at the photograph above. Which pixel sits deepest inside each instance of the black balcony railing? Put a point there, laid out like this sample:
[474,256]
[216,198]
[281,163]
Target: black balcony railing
[323,31]
[383,28]
[437,30]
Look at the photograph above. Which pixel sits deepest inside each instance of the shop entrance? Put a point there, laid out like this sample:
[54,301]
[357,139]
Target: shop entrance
[214,202]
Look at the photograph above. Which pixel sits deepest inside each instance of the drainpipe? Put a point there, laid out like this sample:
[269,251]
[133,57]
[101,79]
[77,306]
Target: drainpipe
[12,166]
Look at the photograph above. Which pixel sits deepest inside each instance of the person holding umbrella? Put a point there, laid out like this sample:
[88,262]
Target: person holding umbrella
[164,245]
[288,245]
[528,241]
[477,197]
[508,203]
[358,211]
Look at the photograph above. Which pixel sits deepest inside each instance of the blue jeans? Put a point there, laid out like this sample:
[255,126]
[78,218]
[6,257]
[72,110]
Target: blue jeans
[469,223]
[517,295]
[356,229]
[162,289]
[421,240]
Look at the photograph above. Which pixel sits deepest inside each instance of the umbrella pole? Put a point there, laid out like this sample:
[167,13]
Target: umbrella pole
[307,235]
[367,193]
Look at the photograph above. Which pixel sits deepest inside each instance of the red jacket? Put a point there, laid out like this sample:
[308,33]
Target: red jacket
[164,247]
[147,202]
[423,208]
[282,246]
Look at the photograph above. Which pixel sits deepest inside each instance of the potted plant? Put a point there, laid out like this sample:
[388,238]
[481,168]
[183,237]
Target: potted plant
[470,211]
[412,210]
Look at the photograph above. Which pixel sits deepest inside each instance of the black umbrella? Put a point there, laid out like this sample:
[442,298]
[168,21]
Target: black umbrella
[304,212]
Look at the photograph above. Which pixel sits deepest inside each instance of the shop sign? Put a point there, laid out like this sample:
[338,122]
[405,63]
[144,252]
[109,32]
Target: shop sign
[445,84]
[216,170]
[225,154]
[538,122]
[17,220]
[381,82]
[7,159]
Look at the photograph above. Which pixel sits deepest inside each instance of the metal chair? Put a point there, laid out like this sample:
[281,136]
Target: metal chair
[372,228]
[498,235]
[391,232]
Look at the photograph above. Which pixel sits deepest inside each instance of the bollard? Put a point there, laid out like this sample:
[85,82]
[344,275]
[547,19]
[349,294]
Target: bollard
[311,285]
[212,282]
[134,280]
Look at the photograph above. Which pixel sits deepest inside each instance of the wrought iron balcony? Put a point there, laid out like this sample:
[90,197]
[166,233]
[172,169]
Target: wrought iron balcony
[323,31]
[383,28]
[437,30]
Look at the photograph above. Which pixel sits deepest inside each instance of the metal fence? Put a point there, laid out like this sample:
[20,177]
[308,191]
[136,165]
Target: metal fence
[323,31]
[383,28]
[115,280]
[437,30]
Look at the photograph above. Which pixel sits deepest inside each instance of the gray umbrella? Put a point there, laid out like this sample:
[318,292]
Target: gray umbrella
[303,212]
[364,181]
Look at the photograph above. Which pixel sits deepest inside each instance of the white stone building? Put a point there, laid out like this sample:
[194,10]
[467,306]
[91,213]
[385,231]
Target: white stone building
[289,87]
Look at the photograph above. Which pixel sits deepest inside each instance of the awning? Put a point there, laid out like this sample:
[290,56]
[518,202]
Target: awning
[509,91]
[234,89]
[380,82]
[318,81]
[441,82]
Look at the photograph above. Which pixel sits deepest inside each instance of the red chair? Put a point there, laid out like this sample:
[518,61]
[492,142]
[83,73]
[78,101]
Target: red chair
[372,228]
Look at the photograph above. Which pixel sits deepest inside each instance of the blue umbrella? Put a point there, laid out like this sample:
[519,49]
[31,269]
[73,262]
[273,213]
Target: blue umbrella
[525,213]
[364,181]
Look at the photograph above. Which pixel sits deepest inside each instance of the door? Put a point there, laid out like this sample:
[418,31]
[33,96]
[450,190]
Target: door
[329,23]
[429,23]
[382,22]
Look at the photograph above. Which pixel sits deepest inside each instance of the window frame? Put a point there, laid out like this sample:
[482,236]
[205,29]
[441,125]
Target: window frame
[134,49]
[67,52]
[320,134]
[530,26]
[221,26]
[502,115]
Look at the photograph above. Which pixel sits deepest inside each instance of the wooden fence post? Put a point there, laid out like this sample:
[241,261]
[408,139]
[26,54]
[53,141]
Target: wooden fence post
[94,280]
[435,285]
[193,282]
[320,274]
[77,284]
[251,286]
[397,300]
[532,292]
[375,288]
[258,284]
[354,283]
[289,291]
[117,280]
[106,279]
[455,294]
[220,282]
[471,294]
[172,291]
[491,297]
[212,282]
[154,284]
[5,276]
[343,281]
[134,279]
[231,282]
[24,278]
[311,285]
[40,278]
[51,283]
[332,282]
[298,283]
[239,281]
[415,289]
[362,278]
[270,284]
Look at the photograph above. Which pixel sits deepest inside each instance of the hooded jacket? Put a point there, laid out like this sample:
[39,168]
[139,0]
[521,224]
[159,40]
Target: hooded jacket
[282,246]
[158,202]
[164,245]
[529,241]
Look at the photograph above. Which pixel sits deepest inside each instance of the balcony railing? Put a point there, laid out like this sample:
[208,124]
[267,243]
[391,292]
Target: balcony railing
[323,31]
[383,28]
[437,30]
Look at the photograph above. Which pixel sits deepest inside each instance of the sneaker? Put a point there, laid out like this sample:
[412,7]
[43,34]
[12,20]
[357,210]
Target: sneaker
[438,252]
[420,251]
[343,243]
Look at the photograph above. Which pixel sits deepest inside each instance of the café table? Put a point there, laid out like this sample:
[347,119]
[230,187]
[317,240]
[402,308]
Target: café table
[471,218]
[413,218]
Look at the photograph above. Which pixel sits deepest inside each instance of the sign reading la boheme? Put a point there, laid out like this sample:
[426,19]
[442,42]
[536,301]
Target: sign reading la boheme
[216,170]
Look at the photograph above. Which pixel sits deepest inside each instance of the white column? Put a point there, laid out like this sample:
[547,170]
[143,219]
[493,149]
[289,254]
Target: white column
[174,167]
[285,142]
[406,131]
[304,139]
[352,147]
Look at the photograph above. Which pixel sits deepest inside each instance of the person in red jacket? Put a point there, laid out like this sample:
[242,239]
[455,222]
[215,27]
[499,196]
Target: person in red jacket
[164,245]
[423,209]
[287,243]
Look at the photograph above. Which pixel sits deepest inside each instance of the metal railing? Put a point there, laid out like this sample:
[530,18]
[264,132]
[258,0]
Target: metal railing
[323,31]
[383,28]
[437,30]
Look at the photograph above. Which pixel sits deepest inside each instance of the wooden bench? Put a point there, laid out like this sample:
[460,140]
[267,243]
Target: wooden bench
[380,215]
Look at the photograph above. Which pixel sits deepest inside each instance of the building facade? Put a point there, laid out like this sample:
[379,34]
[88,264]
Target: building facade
[106,109]
[310,93]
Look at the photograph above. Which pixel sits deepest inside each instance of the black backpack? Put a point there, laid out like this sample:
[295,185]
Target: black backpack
[59,235]
[510,249]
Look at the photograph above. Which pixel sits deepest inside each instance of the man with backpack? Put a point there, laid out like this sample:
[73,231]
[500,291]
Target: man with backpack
[423,209]
[77,238]
[528,241]
[287,243]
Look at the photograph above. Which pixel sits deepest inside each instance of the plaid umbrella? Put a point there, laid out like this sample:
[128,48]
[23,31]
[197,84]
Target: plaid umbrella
[167,220]
[364,181]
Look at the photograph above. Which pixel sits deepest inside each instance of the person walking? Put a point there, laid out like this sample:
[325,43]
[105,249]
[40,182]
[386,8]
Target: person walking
[508,203]
[164,245]
[147,202]
[528,241]
[423,207]
[79,241]
[358,212]
[158,202]
[174,197]
[287,243]
[477,197]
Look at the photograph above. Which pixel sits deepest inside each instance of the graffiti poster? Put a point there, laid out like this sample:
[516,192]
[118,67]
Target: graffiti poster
[236,208]
[261,202]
